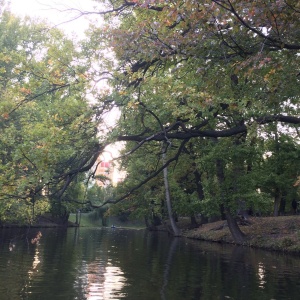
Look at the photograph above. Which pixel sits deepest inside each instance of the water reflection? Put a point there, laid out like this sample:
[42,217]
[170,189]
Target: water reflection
[261,274]
[168,265]
[103,282]
[36,261]
[94,264]
[11,246]
[36,258]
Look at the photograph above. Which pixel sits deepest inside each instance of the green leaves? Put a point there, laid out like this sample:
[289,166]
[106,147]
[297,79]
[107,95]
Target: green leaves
[47,126]
[213,74]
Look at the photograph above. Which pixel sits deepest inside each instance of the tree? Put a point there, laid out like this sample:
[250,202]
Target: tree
[48,130]
[175,229]
[278,170]
[215,69]
[216,74]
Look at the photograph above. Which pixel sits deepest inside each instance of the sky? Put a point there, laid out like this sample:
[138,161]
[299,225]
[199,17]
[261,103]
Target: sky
[52,10]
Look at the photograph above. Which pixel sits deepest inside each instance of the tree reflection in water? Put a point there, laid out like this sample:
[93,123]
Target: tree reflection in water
[94,264]
[167,267]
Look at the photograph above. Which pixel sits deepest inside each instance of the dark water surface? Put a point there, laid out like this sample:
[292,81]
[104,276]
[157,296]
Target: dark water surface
[96,264]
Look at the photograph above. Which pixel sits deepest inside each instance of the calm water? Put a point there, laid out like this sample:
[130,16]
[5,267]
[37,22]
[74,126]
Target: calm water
[96,264]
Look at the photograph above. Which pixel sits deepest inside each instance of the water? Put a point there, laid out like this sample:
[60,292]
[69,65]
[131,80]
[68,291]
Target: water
[96,264]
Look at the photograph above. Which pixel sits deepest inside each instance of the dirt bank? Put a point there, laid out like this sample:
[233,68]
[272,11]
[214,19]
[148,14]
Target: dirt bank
[272,233]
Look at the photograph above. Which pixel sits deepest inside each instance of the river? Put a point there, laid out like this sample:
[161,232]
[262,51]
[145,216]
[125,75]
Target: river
[94,264]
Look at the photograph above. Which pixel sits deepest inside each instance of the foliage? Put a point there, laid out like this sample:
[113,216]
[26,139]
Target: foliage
[215,82]
[47,132]
[221,73]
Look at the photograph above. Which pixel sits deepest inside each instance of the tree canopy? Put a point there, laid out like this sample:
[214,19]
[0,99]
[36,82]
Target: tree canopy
[214,84]
[223,73]
[48,130]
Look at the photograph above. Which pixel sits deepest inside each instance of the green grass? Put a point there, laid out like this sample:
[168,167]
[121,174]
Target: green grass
[86,220]
[91,219]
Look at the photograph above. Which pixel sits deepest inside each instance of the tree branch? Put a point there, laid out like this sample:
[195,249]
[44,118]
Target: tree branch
[188,134]
[175,158]
[278,43]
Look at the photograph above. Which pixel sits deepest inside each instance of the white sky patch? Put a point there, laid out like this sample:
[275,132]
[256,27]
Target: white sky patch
[57,13]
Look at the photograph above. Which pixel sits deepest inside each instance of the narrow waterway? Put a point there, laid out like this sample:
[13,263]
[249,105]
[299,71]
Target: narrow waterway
[94,264]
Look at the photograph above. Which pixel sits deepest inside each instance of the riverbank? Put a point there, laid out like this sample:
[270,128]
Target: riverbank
[271,233]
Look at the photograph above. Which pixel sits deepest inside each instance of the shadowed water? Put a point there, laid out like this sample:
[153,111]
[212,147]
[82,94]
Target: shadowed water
[96,264]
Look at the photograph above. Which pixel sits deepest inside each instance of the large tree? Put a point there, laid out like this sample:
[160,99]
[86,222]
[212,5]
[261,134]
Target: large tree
[215,74]
[211,70]
[48,129]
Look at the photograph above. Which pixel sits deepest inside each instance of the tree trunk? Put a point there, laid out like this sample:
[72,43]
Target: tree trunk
[194,223]
[277,202]
[237,234]
[199,185]
[222,211]
[281,211]
[277,197]
[175,229]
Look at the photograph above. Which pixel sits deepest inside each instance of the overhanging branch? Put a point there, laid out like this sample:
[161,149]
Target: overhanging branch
[174,158]
[188,134]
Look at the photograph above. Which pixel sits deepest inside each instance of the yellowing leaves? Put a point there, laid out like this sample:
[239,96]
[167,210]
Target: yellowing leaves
[25,91]
[56,117]
[56,73]
[133,104]
[297,183]
[205,98]
[122,93]
[267,76]
[263,62]
[84,76]
[5,116]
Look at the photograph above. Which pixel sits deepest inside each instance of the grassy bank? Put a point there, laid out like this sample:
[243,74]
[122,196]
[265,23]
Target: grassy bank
[86,220]
[272,233]
[92,220]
